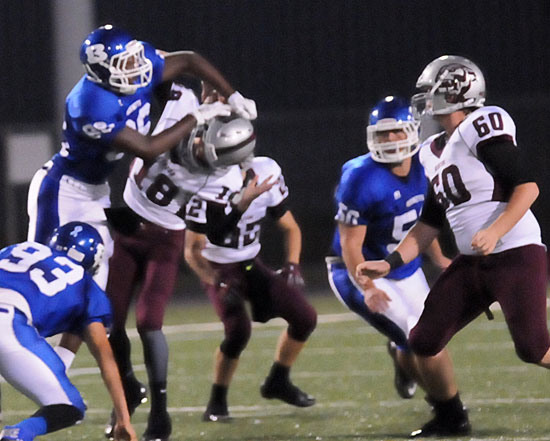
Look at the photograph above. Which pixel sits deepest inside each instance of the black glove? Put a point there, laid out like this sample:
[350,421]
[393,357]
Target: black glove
[292,273]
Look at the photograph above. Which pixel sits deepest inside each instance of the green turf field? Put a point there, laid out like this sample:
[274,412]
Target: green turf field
[345,365]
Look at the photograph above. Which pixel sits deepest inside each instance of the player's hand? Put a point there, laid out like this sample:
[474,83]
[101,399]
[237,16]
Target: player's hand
[208,111]
[371,269]
[242,106]
[484,242]
[292,273]
[376,300]
[252,191]
[124,432]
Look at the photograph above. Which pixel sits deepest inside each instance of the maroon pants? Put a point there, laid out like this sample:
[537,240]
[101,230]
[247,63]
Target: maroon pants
[516,279]
[269,296]
[148,259]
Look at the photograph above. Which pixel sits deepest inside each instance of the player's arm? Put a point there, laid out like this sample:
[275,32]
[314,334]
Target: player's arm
[351,240]
[437,256]
[194,243]
[292,237]
[416,241]
[98,343]
[291,270]
[502,158]
[191,63]
[149,147]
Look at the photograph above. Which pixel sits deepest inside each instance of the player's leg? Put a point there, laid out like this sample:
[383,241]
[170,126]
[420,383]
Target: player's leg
[455,299]
[405,372]
[290,304]
[124,273]
[42,206]
[229,304]
[165,249]
[43,378]
[518,280]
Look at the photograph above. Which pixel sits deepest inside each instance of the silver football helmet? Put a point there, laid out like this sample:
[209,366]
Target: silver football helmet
[449,83]
[223,141]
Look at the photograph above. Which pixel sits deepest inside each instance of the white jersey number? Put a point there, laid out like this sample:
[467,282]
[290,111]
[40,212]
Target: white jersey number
[56,280]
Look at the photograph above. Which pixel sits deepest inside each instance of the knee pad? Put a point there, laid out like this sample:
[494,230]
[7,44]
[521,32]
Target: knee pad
[236,339]
[528,355]
[59,416]
[301,329]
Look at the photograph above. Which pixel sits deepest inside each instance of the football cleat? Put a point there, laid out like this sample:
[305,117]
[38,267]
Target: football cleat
[404,385]
[159,428]
[287,392]
[133,398]
[216,414]
[439,427]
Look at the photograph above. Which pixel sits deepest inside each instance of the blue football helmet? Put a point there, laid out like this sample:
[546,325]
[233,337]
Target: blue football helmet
[112,58]
[79,241]
[392,114]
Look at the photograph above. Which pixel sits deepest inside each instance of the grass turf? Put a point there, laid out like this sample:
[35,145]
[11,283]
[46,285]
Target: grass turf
[344,365]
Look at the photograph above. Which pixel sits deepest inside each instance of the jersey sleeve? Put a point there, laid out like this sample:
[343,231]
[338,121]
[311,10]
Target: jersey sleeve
[351,202]
[485,125]
[98,308]
[433,213]
[95,114]
[181,102]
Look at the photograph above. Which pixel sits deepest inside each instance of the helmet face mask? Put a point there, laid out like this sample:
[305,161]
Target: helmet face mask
[449,83]
[113,59]
[80,242]
[221,142]
[392,133]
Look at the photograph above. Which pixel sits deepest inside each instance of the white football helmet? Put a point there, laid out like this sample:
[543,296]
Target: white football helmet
[223,141]
[449,83]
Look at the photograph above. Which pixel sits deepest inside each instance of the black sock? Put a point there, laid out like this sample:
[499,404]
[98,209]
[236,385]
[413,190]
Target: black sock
[158,397]
[278,374]
[218,394]
[449,409]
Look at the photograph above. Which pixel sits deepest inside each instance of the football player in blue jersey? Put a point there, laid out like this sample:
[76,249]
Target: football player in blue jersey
[46,290]
[106,115]
[379,197]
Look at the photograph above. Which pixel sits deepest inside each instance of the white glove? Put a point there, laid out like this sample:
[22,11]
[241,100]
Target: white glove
[208,111]
[243,106]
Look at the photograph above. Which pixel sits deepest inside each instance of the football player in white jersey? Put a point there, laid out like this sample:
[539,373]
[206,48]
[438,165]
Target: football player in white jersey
[480,184]
[233,274]
[148,244]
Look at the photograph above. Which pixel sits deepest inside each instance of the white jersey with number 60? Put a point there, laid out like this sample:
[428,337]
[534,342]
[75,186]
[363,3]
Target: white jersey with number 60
[471,196]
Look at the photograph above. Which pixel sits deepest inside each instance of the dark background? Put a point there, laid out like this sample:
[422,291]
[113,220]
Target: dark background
[314,69]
